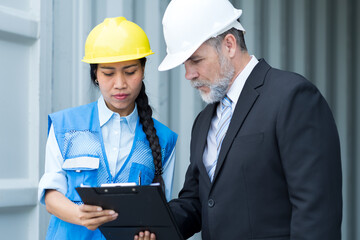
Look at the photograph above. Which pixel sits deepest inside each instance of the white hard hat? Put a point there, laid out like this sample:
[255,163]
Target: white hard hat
[189,23]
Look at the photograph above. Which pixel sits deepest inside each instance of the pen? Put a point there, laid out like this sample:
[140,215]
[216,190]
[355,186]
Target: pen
[140,178]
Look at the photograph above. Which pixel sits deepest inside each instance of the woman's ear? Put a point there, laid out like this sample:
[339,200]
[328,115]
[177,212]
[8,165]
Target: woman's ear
[143,63]
[230,45]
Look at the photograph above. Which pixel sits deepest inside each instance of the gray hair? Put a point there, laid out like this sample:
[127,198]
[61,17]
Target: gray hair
[239,36]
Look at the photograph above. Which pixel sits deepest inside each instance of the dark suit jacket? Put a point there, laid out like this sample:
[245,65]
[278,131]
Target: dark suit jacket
[278,174]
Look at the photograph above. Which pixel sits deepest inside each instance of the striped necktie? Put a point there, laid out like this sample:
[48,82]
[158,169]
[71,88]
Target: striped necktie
[222,127]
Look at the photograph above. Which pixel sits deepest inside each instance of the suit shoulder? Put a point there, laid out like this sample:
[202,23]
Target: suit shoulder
[283,76]
[286,81]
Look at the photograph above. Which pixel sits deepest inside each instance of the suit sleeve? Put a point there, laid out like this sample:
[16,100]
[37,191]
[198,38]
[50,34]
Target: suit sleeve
[187,208]
[310,153]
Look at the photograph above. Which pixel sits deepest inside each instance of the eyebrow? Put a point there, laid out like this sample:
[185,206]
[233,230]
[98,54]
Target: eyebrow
[132,65]
[193,57]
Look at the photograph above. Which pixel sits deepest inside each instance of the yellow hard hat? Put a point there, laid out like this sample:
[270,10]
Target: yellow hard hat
[116,40]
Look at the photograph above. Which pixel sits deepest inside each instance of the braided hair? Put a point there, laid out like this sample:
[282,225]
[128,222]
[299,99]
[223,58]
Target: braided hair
[145,114]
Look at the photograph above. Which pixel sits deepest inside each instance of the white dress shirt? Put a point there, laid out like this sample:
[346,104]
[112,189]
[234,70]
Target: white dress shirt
[118,136]
[210,152]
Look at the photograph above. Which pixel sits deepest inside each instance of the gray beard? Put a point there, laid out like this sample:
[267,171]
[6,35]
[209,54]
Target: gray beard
[218,89]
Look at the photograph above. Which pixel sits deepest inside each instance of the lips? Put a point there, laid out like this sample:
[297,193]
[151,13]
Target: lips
[120,96]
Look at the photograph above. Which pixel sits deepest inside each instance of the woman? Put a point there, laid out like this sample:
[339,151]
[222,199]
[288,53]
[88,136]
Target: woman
[111,140]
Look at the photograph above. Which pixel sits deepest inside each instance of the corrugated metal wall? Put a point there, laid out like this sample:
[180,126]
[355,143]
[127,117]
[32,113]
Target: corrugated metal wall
[20,57]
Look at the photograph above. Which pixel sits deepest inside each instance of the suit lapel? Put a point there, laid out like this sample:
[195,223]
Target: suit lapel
[245,102]
[201,139]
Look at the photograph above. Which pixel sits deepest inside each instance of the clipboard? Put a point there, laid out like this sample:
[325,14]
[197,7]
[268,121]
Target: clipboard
[140,208]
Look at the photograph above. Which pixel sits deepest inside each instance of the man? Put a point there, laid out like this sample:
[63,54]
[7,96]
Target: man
[265,155]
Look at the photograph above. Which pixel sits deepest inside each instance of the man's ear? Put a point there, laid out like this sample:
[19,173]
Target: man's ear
[229,44]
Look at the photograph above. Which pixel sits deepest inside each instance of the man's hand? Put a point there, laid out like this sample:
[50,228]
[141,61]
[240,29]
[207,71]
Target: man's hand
[93,216]
[145,236]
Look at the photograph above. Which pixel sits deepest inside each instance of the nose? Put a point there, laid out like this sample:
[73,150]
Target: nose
[119,81]
[190,72]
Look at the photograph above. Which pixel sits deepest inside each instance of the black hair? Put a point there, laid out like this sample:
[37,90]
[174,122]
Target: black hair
[145,114]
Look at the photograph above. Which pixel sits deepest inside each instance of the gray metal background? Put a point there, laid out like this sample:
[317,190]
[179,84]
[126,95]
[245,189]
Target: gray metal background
[41,44]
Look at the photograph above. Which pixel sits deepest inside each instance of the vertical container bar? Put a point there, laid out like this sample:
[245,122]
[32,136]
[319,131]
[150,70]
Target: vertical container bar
[341,84]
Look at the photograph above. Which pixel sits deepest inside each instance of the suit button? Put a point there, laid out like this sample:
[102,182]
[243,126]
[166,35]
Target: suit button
[211,203]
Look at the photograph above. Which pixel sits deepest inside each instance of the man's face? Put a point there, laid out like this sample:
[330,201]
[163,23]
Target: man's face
[209,72]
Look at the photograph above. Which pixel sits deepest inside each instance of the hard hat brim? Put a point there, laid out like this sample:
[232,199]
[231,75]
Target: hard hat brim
[174,60]
[116,58]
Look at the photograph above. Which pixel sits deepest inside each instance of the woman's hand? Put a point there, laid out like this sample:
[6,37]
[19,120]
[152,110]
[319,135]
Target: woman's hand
[145,236]
[92,217]
[85,215]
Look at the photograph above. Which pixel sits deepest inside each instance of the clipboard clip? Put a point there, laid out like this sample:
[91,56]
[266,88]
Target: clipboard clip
[116,190]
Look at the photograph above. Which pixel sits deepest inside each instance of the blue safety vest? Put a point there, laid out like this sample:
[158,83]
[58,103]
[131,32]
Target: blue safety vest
[78,133]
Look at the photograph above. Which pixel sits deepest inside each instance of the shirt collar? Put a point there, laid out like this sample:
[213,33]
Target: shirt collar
[239,82]
[105,114]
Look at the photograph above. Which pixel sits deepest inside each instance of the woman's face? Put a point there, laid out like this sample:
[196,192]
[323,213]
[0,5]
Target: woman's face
[120,84]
